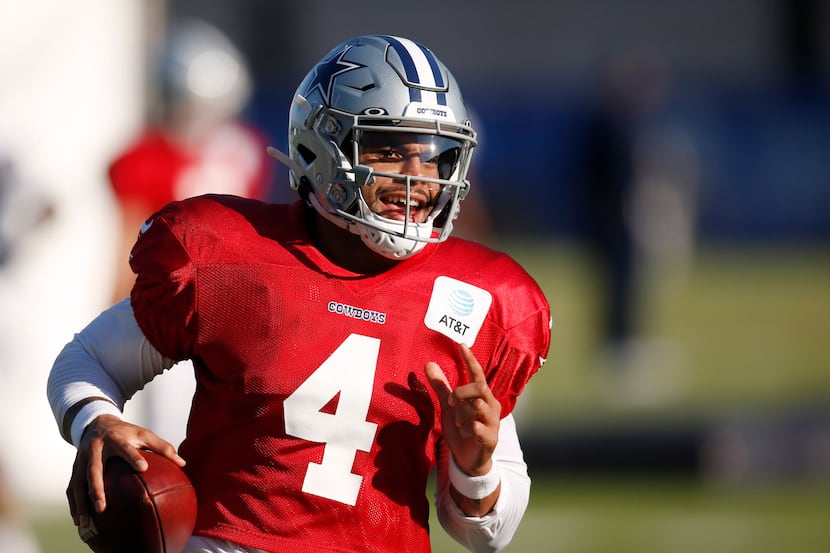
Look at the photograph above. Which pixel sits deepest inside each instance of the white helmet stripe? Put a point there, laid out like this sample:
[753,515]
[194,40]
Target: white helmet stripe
[421,69]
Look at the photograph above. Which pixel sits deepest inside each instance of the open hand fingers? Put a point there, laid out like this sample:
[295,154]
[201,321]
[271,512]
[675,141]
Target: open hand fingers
[85,492]
[104,438]
[474,371]
[438,380]
[471,417]
[470,413]
[146,439]
[77,493]
[95,477]
[477,388]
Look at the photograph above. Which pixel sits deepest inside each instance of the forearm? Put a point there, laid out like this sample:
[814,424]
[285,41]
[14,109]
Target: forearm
[108,361]
[493,530]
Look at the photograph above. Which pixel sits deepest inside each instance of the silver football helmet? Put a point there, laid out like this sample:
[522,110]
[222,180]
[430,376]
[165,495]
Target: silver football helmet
[380,90]
[203,77]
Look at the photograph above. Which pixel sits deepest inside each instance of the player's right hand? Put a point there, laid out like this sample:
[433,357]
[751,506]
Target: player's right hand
[108,436]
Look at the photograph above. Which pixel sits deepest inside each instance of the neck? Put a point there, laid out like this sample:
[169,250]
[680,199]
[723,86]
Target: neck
[344,248]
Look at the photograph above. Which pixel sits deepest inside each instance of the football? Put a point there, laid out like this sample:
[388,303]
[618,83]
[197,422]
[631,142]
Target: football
[147,512]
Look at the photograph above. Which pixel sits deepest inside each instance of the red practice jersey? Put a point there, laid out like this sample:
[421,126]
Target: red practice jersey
[313,427]
[158,169]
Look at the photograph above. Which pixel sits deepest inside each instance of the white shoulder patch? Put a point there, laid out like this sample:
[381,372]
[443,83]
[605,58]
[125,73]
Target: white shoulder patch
[457,309]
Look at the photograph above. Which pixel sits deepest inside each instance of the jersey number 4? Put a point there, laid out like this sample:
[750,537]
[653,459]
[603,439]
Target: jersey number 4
[349,372]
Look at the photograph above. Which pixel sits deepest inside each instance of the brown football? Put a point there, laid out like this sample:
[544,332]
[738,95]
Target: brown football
[147,512]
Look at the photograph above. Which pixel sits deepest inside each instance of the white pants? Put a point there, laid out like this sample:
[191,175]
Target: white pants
[198,544]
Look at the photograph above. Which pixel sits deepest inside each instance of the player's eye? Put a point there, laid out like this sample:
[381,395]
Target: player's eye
[380,155]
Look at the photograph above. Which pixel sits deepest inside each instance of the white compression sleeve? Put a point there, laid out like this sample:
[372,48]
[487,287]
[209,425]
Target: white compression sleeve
[493,531]
[110,358]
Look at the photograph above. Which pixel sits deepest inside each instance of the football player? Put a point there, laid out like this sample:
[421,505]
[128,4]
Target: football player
[344,346]
[196,142]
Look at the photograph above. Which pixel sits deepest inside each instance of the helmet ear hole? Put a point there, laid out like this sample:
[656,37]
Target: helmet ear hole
[304,188]
[346,147]
[307,155]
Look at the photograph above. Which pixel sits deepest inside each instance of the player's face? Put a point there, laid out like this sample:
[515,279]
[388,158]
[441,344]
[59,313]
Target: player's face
[411,155]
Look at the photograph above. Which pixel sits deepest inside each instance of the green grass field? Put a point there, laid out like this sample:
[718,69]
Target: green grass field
[734,332]
[629,516]
[734,329]
[646,516]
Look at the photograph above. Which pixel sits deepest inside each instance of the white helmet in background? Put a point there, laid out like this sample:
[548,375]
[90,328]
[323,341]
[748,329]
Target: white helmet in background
[367,88]
[202,74]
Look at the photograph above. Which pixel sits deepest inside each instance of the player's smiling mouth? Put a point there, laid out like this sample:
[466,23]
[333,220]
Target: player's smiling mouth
[392,205]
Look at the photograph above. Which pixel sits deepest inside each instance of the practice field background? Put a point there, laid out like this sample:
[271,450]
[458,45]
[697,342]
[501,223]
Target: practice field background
[629,517]
[717,438]
[736,335]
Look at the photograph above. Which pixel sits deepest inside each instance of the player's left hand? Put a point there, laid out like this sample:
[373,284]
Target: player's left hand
[470,414]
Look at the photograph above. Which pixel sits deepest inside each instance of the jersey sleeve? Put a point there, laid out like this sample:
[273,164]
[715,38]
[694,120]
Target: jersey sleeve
[518,358]
[524,315]
[163,297]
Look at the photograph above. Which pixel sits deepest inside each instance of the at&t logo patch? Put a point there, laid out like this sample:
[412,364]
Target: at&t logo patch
[457,309]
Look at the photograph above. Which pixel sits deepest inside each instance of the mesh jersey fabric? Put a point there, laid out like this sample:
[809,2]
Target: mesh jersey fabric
[236,285]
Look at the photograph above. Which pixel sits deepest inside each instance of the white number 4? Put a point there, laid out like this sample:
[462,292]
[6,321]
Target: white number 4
[349,371]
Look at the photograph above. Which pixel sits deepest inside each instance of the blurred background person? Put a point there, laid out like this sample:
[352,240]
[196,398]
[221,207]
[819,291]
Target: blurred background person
[196,142]
[608,181]
[638,187]
[24,209]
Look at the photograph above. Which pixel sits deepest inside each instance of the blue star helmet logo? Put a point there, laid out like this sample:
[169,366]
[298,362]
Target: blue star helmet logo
[329,69]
